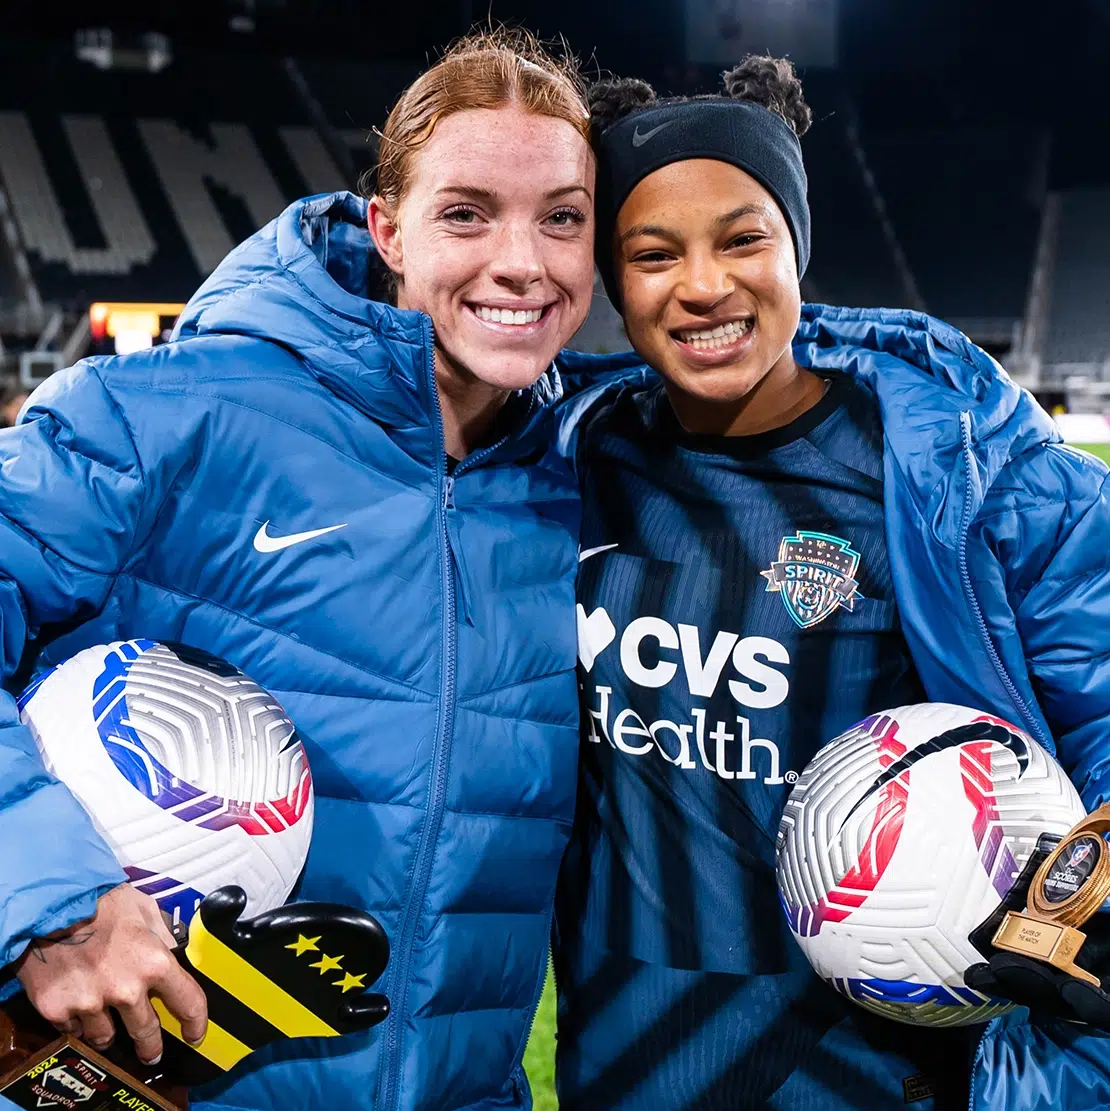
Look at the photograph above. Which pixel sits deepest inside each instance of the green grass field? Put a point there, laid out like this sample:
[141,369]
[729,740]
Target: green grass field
[539,1057]
[1101,450]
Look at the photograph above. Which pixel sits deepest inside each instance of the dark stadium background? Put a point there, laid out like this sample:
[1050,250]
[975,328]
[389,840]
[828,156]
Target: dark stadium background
[959,162]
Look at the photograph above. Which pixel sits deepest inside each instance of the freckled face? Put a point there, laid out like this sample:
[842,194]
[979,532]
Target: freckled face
[496,241]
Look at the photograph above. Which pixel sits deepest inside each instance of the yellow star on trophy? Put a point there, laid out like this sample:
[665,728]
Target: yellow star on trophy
[304,944]
[350,981]
[327,964]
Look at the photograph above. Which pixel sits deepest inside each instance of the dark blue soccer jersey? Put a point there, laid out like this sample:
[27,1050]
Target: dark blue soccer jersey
[736,612]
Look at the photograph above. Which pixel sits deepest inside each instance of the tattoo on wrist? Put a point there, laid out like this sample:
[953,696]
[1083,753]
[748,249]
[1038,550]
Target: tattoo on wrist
[80,936]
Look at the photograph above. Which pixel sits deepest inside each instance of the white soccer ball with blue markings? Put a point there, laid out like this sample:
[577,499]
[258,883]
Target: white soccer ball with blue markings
[903,835]
[191,772]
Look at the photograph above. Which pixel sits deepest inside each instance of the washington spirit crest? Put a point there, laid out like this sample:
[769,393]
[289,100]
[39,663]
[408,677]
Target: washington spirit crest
[815,574]
[1080,854]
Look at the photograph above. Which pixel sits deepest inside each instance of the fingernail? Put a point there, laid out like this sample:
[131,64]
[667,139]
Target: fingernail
[190,1041]
[101,1043]
[153,1060]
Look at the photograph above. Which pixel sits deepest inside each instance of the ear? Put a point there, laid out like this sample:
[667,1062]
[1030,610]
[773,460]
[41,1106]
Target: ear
[386,233]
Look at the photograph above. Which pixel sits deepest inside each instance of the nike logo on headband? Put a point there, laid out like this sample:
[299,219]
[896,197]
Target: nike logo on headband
[638,140]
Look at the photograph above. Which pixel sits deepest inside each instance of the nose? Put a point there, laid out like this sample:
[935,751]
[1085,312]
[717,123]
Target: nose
[518,256]
[705,281]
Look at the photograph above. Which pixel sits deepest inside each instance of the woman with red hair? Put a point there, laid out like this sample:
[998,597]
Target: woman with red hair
[339,476]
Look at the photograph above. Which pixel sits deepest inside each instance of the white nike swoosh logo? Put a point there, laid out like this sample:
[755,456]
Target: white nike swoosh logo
[264,542]
[583,556]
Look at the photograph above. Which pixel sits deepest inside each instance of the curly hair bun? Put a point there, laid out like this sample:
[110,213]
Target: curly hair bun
[773,83]
[613,99]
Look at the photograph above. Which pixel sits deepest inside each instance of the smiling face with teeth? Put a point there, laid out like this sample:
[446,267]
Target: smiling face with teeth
[709,288]
[493,239]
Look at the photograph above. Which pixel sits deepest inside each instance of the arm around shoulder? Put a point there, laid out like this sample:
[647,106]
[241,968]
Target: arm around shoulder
[1061,591]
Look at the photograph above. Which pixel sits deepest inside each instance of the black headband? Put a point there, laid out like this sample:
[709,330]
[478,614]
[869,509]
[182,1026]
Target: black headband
[739,132]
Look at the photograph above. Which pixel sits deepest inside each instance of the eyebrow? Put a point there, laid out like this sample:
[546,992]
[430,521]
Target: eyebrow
[563,190]
[477,193]
[646,229]
[668,233]
[472,192]
[736,213]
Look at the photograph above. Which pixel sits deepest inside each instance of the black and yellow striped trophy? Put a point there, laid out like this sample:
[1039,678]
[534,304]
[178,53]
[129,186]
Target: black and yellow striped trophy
[302,970]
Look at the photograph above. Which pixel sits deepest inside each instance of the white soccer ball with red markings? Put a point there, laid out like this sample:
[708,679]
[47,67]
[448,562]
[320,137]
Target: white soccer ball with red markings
[191,772]
[901,836]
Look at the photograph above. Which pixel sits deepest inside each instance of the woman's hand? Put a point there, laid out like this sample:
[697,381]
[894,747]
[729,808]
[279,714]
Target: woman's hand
[118,958]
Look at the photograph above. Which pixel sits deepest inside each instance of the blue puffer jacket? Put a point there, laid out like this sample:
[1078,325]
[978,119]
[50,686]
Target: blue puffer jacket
[999,545]
[425,650]
[999,538]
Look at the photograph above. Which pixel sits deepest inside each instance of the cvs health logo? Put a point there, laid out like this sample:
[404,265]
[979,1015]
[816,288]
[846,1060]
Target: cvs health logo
[756,682]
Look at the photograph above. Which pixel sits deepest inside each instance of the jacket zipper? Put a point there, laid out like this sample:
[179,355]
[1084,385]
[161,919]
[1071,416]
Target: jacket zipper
[1031,723]
[390,1085]
[537,995]
[975,1068]
[458,562]
[430,834]
[463,607]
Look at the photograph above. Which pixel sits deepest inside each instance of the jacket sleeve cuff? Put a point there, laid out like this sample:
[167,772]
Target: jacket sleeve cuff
[54,865]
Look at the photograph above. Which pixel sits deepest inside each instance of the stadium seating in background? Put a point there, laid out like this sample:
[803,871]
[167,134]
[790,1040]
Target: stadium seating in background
[851,261]
[128,186]
[944,219]
[10,292]
[356,97]
[966,205]
[131,186]
[1079,307]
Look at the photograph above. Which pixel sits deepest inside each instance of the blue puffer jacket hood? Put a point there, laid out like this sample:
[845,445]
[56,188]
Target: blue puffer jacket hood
[955,426]
[313,282]
[423,643]
[929,378]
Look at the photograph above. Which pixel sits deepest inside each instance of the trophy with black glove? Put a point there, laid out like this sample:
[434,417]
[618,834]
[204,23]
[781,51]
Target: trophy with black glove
[1047,946]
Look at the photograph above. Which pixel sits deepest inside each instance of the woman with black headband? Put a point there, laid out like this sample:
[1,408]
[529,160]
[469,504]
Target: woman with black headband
[885,446]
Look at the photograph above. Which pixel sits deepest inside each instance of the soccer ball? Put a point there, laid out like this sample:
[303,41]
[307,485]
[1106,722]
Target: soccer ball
[901,836]
[190,771]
